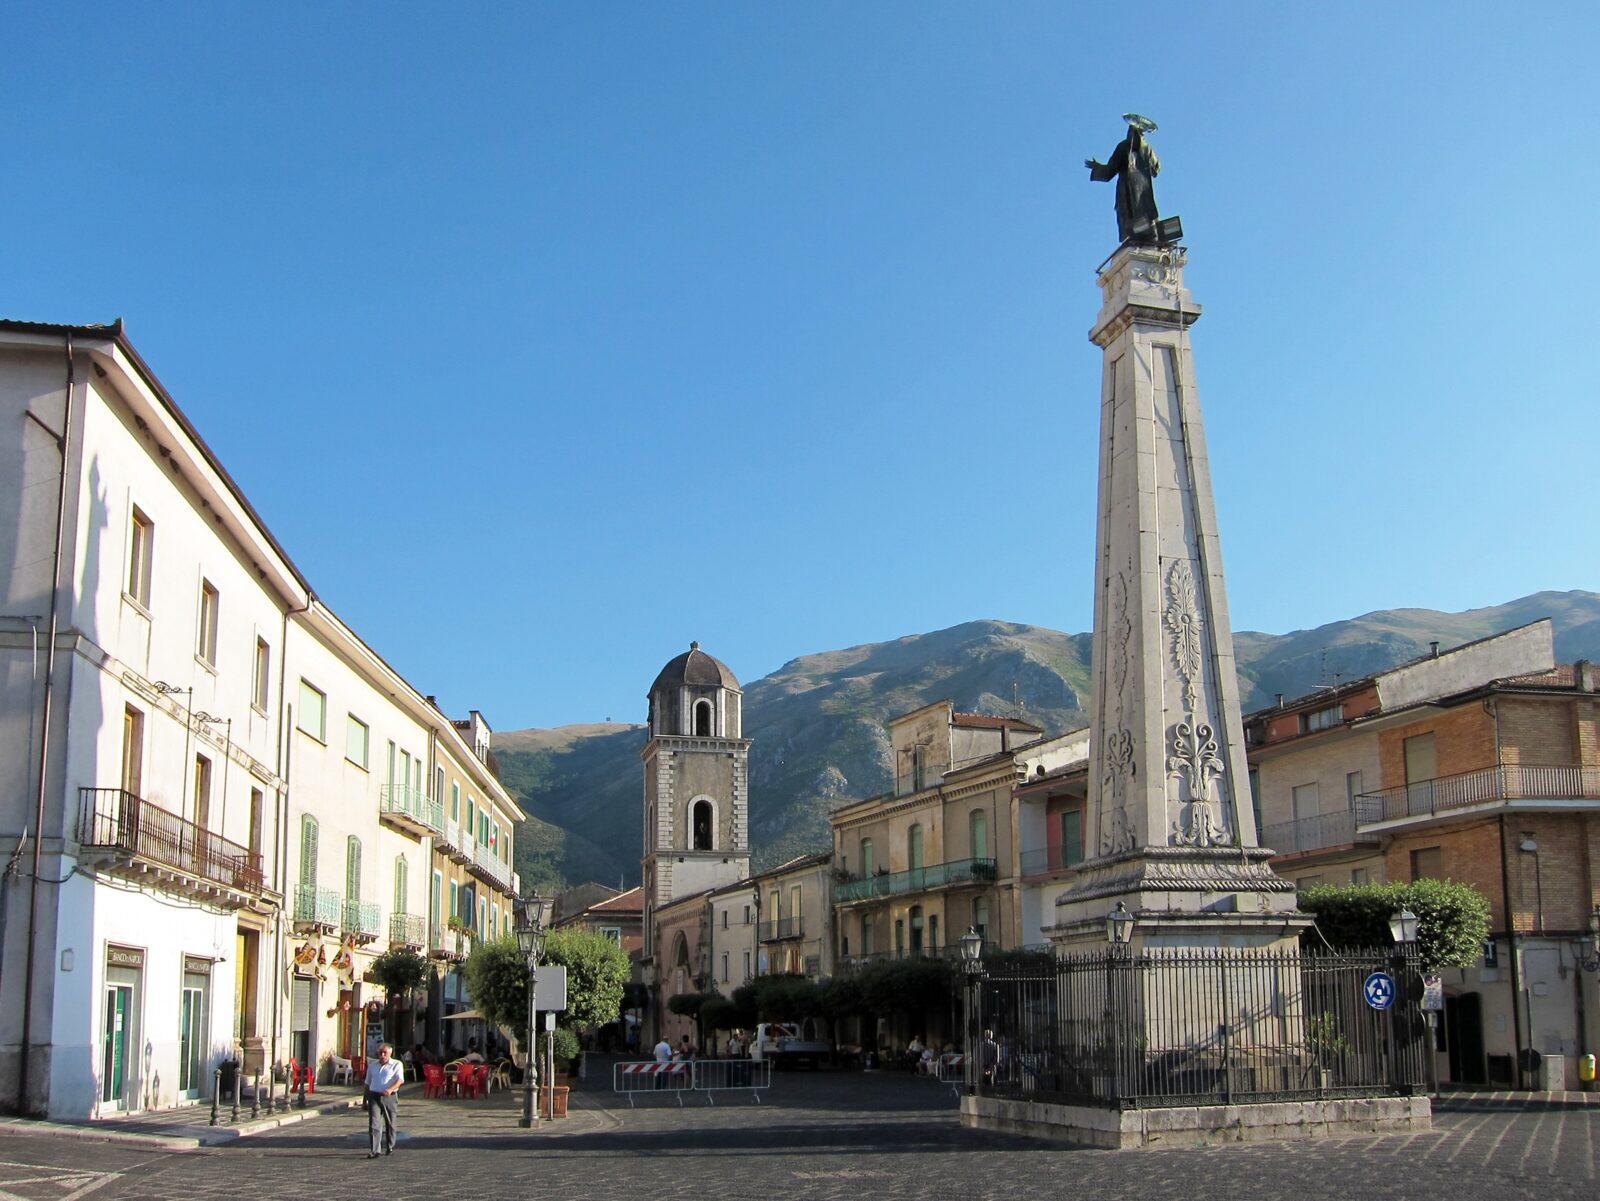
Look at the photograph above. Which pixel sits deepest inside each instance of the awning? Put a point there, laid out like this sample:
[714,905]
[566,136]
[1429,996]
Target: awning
[471,1014]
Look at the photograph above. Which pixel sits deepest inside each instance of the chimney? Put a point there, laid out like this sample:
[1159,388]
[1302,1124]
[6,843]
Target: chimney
[1584,671]
[1433,650]
[1280,699]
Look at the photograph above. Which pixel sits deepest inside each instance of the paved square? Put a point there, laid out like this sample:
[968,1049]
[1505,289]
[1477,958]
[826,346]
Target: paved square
[817,1135]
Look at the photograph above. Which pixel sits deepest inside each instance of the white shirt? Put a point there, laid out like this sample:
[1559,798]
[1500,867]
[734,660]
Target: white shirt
[663,1052]
[381,1077]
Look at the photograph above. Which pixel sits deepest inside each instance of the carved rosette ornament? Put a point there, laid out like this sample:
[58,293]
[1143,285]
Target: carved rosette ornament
[1183,619]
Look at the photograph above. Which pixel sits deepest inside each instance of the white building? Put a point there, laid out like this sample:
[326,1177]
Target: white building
[211,757]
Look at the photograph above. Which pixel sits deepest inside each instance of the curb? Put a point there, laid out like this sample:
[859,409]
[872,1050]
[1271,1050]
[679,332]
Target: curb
[201,1138]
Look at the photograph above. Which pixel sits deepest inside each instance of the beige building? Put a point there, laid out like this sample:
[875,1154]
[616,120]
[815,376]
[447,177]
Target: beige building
[795,935]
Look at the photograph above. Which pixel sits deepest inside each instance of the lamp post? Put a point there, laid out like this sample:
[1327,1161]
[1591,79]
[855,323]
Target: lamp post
[1588,953]
[1403,929]
[532,917]
[972,970]
[1119,934]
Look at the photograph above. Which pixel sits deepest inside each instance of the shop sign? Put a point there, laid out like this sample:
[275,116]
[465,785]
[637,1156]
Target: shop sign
[197,965]
[124,956]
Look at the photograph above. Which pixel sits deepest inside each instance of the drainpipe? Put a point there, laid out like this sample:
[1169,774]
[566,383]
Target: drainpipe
[63,441]
[1516,968]
[280,868]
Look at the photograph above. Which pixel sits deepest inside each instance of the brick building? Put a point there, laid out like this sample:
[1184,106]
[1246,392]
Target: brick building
[1480,765]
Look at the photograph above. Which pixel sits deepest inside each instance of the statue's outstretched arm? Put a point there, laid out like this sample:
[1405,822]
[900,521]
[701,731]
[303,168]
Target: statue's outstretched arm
[1099,171]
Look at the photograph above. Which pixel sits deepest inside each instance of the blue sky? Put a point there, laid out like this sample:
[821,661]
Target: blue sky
[549,337]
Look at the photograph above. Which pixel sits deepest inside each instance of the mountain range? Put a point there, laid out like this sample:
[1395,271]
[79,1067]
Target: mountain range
[819,723]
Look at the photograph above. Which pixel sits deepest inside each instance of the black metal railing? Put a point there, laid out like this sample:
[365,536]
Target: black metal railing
[917,879]
[116,818]
[1206,1027]
[847,964]
[1504,783]
[783,927]
[1314,833]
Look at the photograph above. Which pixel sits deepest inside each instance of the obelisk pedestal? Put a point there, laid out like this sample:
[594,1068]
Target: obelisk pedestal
[1170,831]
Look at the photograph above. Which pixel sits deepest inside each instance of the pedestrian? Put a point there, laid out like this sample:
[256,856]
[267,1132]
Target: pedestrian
[663,1058]
[384,1077]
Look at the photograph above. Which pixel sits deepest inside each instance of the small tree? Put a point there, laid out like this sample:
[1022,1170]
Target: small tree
[497,978]
[597,969]
[1452,919]
[401,972]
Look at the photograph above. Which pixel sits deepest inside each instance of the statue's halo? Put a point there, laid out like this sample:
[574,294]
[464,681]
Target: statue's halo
[1142,124]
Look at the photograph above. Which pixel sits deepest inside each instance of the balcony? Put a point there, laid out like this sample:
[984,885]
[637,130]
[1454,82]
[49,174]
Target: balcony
[448,944]
[463,847]
[782,928]
[1043,861]
[487,866]
[447,838]
[1316,833]
[130,837]
[846,965]
[918,879]
[317,910]
[361,921]
[1491,785]
[410,810]
[407,930]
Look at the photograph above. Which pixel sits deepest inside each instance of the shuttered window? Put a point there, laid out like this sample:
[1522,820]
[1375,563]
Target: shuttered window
[352,869]
[308,850]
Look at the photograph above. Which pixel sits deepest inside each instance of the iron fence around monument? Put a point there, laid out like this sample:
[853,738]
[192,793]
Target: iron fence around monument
[1157,1028]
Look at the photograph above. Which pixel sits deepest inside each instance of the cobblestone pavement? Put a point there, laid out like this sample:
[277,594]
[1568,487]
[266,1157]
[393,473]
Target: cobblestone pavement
[821,1135]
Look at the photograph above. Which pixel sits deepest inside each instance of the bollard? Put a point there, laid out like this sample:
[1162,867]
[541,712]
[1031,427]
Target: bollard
[238,1080]
[255,1098]
[216,1093]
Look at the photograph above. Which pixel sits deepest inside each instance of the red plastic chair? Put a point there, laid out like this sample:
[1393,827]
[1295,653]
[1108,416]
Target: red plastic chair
[471,1079]
[433,1081]
[301,1075]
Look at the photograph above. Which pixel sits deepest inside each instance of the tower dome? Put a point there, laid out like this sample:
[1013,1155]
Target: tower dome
[696,696]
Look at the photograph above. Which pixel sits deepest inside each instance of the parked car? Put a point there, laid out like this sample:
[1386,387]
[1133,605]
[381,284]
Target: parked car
[781,1042]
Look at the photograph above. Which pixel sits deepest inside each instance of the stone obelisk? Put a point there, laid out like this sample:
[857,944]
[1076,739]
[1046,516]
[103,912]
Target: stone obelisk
[1170,830]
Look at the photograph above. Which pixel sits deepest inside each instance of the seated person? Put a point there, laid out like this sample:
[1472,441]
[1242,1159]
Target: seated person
[473,1055]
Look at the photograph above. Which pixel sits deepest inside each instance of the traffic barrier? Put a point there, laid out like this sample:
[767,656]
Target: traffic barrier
[706,1076]
[723,1075]
[651,1077]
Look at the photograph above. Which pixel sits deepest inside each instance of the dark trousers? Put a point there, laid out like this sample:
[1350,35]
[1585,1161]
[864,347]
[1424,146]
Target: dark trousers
[380,1122]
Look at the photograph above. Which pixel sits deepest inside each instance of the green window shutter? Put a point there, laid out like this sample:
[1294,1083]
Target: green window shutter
[400,872]
[352,870]
[308,850]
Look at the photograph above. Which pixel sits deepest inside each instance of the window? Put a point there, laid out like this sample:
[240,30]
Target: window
[919,768]
[261,674]
[724,919]
[794,907]
[1301,883]
[866,857]
[1321,719]
[438,784]
[472,818]
[914,847]
[1352,787]
[1071,837]
[916,929]
[210,604]
[702,719]
[702,840]
[258,806]
[141,545]
[352,869]
[1304,799]
[435,900]
[455,901]
[866,934]
[455,801]
[725,967]
[1422,765]
[356,739]
[747,965]
[132,750]
[402,873]
[1254,780]
[313,711]
[978,831]
[1359,875]
[1427,863]
[614,933]
[773,906]
[933,931]
[747,915]
[202,792]
[308,850]
[899,936]
[980,917]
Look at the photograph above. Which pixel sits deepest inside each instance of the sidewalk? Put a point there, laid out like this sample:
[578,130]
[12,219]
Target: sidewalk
[188,1129]
[1460,1099]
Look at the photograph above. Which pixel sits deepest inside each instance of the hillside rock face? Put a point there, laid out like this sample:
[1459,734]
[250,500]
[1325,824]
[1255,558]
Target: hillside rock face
[819,723]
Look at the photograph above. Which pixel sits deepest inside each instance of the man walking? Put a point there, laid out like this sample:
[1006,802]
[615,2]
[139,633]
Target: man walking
[384,1077]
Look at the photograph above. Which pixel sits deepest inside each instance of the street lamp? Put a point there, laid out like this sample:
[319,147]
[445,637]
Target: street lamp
[972,951]
[533,915]
[1403,926]
[972,968]
[1119,926]
[1588,955]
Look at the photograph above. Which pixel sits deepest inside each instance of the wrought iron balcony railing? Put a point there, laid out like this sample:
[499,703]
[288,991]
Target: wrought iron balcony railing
[117,820]
[783,927]
[1314,833]
[1041,861]
[917,879]
[1506,783]
[407,930]
[315,906]
[362,919]
[412,809]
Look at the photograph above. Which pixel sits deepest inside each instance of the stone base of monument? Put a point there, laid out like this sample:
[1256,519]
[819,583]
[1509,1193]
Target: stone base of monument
[1199,1125]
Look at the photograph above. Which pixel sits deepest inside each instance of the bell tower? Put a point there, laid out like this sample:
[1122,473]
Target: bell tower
[696,783]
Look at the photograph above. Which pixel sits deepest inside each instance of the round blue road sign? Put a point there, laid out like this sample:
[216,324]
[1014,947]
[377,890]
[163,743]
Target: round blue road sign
[1379,990]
